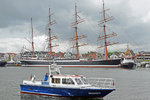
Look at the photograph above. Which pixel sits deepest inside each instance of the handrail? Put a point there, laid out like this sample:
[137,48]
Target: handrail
[104,83]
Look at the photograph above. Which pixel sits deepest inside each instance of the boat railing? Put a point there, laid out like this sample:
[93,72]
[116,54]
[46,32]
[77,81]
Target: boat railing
[104,83]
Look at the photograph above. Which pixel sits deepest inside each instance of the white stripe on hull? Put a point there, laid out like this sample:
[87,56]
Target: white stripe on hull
[84,66]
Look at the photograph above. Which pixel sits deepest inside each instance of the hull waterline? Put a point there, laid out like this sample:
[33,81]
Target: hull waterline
[128,65]
[65,92]
[73,63]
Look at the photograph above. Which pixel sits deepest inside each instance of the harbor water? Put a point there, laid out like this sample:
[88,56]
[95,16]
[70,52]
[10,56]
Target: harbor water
[130,84]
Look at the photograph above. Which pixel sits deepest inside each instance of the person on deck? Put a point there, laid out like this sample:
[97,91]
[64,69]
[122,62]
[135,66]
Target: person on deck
[46,77]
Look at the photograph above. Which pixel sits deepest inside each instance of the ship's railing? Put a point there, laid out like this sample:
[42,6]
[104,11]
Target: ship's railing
[104,83]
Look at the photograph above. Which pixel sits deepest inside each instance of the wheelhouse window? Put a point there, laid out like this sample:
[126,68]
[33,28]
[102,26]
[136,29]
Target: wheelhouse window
[67,81]
[78,81]
[56,80]
[84,80]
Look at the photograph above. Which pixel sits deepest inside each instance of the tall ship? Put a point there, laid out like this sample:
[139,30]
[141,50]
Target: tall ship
[103,63]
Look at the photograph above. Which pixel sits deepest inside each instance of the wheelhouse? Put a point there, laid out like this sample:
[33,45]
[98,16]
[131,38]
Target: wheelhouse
[68,80]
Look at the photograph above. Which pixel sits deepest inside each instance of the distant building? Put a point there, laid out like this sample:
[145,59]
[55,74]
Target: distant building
[128,53]
[144,55]
[92,55]
[69,55]
[2,55]
[85,56]
[41,55]
[11,56]
[38,54]
[59,55]
[114,56]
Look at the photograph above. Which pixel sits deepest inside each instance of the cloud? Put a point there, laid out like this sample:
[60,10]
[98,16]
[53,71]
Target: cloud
[14,31]
[11,45]
[131,23]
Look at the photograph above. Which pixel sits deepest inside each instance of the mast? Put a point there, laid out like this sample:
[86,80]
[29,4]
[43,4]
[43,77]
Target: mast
[106,51]
[103,23]
[77,37]
[50,34]
[32,39]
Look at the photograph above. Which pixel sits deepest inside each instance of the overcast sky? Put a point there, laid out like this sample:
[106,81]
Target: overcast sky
[131,21]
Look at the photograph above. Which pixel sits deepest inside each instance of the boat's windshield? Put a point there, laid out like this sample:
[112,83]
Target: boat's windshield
[84,80]
[78,81]
[67,81]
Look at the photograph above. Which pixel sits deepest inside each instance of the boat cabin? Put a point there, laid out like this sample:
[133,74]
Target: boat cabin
[68,80]
[127,59]
[60,81]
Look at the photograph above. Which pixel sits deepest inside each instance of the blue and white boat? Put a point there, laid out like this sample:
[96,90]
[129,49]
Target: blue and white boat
[56,84]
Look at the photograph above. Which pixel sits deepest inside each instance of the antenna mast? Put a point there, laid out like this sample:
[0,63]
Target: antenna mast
[77,37]
[32,39]
[103,22]
[50,34]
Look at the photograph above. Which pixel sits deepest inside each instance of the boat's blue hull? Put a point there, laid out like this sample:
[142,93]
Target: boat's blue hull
[64,92]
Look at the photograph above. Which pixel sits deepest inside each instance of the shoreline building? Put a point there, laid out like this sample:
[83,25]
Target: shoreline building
[144,55]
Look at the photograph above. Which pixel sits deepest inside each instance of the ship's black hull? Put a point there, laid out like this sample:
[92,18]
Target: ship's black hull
[73,63]
[129,65]
[3,63]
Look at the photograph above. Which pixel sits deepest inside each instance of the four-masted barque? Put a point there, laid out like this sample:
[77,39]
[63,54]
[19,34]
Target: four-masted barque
[105,63]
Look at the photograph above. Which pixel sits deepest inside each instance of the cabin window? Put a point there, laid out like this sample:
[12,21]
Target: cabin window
[84,80]
[56,80]
[78,81]
[67,81]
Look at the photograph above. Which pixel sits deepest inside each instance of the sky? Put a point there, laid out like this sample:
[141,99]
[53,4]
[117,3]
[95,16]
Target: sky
[131,22]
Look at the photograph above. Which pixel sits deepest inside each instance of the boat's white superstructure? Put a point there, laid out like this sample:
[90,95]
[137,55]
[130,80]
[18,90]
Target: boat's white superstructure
[128,63]
[127,60]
